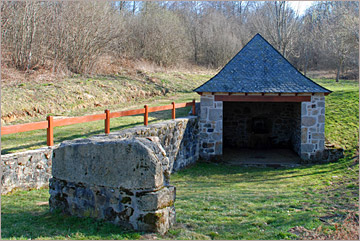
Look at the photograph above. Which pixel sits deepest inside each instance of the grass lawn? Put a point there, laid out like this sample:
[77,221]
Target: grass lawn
[227,202]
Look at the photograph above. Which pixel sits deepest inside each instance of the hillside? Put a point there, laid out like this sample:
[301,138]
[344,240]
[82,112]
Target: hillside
[31,98]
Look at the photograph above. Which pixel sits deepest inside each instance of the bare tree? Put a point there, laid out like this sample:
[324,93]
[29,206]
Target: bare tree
[73,35]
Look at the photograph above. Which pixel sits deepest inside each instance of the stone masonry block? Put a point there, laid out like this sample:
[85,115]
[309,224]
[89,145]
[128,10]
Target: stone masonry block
[304,135]
[150,201]
[218,104]
[318,136]
[303,109]
[308,121]
[203,112]
[207,101]
[215,114]
[160,220]
[307,148]
[111,163]
[321,104]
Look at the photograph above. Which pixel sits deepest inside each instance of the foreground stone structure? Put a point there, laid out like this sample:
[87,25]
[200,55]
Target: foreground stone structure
[32,169]
[124,181]
[179,138]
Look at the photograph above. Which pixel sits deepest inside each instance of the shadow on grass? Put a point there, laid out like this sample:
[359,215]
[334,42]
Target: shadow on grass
[261,174]
[35,225]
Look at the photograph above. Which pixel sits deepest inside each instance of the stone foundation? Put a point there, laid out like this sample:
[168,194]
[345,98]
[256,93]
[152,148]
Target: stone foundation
[134,209]
[124,181]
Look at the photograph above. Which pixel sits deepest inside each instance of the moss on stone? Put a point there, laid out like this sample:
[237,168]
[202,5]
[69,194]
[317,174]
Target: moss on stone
[126,200]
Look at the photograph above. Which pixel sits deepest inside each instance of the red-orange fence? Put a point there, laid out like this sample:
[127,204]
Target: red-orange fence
[51,123]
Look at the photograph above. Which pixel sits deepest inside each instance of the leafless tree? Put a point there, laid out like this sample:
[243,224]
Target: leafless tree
[73,35]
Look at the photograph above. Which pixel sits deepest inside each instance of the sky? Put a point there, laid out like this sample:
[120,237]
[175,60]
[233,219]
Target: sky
[300,6]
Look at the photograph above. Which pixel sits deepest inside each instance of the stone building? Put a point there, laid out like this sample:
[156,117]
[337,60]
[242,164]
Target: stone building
[259,100]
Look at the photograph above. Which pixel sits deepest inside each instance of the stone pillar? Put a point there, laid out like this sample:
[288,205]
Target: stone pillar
[313,127]
[211,126]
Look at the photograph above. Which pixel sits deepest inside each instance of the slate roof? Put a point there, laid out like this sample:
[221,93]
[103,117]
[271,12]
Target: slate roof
[260,68]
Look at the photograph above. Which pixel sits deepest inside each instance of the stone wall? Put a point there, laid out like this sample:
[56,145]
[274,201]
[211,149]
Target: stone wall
[32,169]
[261,124]
[307,127]
[179,138]
[26,170]
[211,127]
[124,181]
[313,128]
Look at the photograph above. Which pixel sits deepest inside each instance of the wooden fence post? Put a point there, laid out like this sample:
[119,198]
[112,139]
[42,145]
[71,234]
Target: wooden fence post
[193,107]
[146,115]
[50,131]
[107,122]
[173,110]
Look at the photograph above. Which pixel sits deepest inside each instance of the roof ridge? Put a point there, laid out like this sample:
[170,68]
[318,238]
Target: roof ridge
[229,60]
[278,75]
[292,64]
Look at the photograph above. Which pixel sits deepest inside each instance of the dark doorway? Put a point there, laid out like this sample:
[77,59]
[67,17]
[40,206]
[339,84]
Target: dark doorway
[262,125]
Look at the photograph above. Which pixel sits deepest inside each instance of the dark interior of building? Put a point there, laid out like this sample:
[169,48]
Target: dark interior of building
[261,125]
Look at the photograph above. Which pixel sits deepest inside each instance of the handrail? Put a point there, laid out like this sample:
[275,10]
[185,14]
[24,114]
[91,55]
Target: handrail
[51,123]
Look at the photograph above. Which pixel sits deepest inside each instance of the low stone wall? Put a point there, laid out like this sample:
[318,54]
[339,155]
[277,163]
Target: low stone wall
[329,154]
[124,181]
[179,138]
[26,170]
[32,169]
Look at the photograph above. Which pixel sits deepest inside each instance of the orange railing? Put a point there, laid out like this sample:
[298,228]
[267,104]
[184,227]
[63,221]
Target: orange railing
[51,123]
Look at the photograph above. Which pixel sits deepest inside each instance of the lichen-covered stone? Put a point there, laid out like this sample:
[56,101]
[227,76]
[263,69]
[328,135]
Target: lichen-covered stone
[150,201]
[127,163]
[26,170]
[123,181]
[179,138]
[308,121]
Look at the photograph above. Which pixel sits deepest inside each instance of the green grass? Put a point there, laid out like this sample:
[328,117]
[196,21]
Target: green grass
[213,202]
[227,202]
[342,113]
[25,215]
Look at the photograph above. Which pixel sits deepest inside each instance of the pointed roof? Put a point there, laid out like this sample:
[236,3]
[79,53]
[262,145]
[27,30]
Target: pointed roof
[260,68]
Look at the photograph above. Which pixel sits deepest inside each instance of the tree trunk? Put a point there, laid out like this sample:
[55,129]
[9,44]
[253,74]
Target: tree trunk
[339,70]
